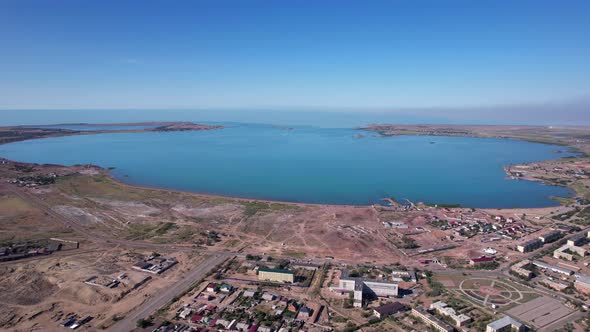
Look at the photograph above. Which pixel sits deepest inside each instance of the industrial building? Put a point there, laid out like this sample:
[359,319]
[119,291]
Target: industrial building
[365,287]
[505,324]
[155,264]
[554,268]
[529,245]
[275,275]
[432,321]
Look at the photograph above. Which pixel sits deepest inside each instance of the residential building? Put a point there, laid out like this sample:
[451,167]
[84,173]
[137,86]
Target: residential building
[432,321]
[211,288]
[242,326]
[519,268]
[569,252]
[275,275]
[444,310]
[577,239]
[305,312]
[505,324]
[529,245]
[550,237]
[185,313]
[226,288]
[558,286]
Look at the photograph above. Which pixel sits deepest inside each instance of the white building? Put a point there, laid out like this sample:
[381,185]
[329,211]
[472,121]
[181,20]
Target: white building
[363,287]
[505,324]
[444,310]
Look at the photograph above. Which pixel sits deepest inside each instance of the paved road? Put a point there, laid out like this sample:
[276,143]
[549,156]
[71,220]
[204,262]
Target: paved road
[162,298]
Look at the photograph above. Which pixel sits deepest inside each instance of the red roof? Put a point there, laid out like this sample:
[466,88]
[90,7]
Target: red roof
[482,259]
[196,318]
[253,328]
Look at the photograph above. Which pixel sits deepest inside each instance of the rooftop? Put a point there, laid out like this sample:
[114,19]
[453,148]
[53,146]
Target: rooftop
[390,308]
[504,321]
[263,269]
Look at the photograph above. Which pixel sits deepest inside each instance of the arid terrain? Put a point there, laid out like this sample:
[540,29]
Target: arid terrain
[115,225]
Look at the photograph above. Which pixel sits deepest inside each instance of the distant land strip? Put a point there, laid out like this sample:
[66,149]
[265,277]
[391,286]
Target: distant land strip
[11,134]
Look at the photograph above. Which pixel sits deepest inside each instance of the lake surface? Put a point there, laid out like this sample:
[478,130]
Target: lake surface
[309,164]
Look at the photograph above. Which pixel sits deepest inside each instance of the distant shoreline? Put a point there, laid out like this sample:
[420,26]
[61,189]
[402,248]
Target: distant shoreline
[427,130]
[12,134]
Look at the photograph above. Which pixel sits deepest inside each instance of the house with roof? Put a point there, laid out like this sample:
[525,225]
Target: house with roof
[211,288]
[226,288]
[293,307]
[268,296]
[249,293]
[185,313]
[242,326]
[305,312]
[196,319]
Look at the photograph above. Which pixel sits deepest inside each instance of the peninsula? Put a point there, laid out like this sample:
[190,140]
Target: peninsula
[9,134]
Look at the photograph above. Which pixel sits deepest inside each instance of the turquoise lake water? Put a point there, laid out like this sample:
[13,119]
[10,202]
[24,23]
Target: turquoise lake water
[309,164]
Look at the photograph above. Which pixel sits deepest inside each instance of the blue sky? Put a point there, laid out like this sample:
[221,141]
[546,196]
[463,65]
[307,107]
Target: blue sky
[294,54]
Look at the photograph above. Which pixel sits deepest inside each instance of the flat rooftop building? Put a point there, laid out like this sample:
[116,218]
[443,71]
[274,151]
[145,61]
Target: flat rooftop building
[505,324]
[529,245]
[444,310]
[577,239]
[550,237]
[582,283]
[388,309]
[519,269]
[432,321]
[276,275]
[553,268]
[362,287]
[569,252]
